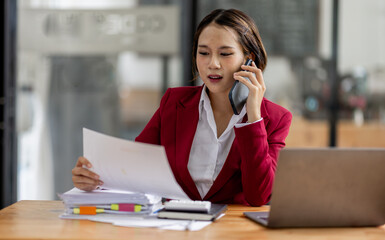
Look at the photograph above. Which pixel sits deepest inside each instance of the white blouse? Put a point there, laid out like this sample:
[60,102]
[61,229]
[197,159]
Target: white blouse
[208,152]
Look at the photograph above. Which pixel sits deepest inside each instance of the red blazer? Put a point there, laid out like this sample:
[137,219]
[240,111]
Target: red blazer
[248,173]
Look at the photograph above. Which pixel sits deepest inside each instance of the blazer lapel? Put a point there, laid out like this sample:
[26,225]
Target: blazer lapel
[233,159]
[186,125]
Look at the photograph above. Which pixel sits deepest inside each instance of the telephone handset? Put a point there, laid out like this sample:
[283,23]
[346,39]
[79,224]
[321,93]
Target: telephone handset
[238,93]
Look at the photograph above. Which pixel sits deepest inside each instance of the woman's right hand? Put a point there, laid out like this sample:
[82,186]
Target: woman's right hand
[83,178]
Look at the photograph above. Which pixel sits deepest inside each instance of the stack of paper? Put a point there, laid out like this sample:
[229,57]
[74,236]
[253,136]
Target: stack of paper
[136,176]
[103,199]
[85,205]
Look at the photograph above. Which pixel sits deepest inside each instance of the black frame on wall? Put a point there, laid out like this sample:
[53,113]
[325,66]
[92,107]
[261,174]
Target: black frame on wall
[8,152]
[334,79]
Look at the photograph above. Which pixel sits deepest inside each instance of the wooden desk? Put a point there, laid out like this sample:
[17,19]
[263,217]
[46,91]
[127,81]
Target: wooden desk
[39,220]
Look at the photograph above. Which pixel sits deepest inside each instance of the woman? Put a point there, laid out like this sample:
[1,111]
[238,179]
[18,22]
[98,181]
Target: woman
[214,154]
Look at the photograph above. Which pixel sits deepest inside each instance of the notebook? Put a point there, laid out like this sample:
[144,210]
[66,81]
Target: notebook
[215,211]
[329,187]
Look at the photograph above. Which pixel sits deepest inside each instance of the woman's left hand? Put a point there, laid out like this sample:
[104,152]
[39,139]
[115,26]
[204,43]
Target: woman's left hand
[256,87]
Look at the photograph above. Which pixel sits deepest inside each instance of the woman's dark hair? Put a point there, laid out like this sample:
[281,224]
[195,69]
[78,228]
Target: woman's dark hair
[243,25]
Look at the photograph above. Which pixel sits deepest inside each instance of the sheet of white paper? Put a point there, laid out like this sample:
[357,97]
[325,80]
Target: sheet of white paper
[190,226]
[142,221]
[168,224]
[151,222]
[131,166]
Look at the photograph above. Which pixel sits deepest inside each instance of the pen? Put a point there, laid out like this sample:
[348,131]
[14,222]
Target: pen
[189,225]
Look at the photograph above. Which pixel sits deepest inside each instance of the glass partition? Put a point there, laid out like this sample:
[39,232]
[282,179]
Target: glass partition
[101,65]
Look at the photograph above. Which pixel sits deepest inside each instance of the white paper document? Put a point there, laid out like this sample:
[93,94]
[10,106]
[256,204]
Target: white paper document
[131,166]
[143,221]
[167,224]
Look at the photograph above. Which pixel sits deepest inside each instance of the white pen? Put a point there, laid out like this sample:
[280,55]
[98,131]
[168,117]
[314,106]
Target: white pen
[189,225]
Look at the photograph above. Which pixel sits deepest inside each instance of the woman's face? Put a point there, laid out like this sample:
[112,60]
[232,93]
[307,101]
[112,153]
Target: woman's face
[219,55]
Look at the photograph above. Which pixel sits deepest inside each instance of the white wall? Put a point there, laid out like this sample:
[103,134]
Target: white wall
[362,40]
[362,34]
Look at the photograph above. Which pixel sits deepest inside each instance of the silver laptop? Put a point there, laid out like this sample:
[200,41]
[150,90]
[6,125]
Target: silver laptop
[327,187]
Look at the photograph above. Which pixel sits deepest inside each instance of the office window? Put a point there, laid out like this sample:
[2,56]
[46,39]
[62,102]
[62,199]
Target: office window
[90,64]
